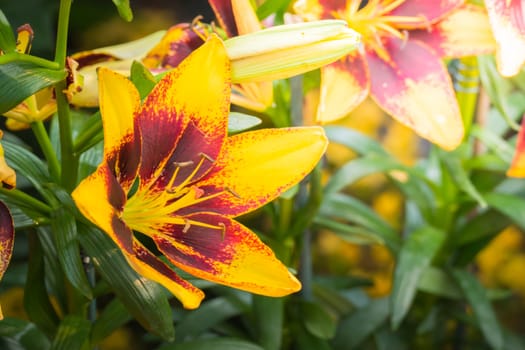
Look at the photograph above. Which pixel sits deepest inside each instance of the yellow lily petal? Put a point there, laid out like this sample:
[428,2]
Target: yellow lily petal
[7,174]
[249,159]
[119,101]
[344,85]
[233,256]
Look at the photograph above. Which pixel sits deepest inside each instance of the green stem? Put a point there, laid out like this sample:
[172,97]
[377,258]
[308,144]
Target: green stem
[22,57]
[63,25]
[26,199]
[69,161]
[285,216]
[47,148]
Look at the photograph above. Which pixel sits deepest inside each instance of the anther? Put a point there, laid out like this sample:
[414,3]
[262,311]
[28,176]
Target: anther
[183,164]
[186,227]
[207,157]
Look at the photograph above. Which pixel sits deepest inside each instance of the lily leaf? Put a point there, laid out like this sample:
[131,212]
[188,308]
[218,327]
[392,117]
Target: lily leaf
[7,38]
[72,334]
[124,10]
[415,255]
[144,299]
[478,299]
[23,79]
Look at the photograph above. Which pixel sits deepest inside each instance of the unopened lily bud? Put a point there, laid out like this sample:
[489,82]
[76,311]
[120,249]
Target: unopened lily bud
[287,50]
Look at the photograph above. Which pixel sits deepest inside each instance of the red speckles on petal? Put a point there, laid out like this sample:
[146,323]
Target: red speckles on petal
[415,88]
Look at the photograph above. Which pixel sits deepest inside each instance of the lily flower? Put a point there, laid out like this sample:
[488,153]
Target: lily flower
[517,166]
[507,18]
[401,65]
[170,172]
[37,107]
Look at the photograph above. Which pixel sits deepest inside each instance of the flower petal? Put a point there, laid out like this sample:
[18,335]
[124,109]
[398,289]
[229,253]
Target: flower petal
[344,85]
[258,166]
[464,32]
[7,237]
[229,254]
[119,102]
[224,12]
[178,42]
[429,11]
[245,17]
[415,88]
[517,167]
[312,10]
[149,266]
[186,115]
[7,174]
[508,26]
[101,199]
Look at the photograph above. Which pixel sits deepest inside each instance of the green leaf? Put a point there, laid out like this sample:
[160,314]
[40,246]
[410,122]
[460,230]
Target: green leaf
[477,297]
[511,206]
[354,140]
[142,78]
[22,333]
[7,37]
[460,176]
[486,224]
[305,340]
[36,300]
[269,320]
[23,79]
[213,343]
[351,209]
[437,282]
[350,233]
[144,299]
[124,10]
[64,230]
[496,87]
[357,327]
[317,320]
[238,122]
[500,147]
[271,6]
[359,168]
[209,314]
[72,334]
[112,317]
[416,254]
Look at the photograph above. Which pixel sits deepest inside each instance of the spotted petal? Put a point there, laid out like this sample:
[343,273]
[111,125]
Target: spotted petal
[257,166]
[170,131]
[228,253]
[344,84]
[178,42]
[224,12]
[507,19]
[7,236]
[429,11]
[464,32]
[517,167]
[414,87]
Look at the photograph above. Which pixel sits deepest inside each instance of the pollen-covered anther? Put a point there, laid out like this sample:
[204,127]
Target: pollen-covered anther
[187,226]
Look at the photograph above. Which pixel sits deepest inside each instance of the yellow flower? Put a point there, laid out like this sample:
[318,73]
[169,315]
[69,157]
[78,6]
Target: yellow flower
[171,173]
[37,107]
